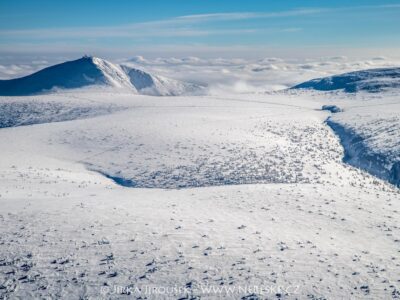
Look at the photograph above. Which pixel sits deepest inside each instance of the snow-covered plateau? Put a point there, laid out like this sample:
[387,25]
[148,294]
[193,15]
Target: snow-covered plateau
[110,194]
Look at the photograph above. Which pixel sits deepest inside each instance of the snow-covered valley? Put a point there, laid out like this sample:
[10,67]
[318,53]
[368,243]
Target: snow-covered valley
[369,133]
[107,194]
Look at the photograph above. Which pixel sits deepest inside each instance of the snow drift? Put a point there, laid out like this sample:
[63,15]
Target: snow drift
[95,72]
[372,80]
[370,141]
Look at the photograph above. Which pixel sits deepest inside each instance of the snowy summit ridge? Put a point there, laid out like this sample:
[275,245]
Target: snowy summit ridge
[92,71]
[371,80]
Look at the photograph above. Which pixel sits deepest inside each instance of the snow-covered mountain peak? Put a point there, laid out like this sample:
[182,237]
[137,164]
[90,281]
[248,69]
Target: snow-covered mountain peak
[114,74]
[95,72]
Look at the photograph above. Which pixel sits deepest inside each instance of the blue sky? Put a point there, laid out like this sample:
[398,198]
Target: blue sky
[202,27]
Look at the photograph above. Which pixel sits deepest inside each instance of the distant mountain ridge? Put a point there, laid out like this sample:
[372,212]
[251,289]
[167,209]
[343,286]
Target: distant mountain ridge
[92,71]
[371,80]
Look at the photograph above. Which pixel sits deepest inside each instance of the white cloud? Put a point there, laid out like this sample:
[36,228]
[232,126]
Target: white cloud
[8,71]
[137,36]
[249,15]
[240,75]
[254,75]
[178,26]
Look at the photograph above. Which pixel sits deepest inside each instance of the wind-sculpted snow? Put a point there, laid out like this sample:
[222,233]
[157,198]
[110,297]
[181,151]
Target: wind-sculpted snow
[185,164]
[29,112]
[69,232]
[371,139]
[96,73]
[373,80]
[169,149]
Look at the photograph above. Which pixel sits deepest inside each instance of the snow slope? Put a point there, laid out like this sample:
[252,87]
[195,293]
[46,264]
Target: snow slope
[369,127]
[300,227]
[370,134]
[372,80]
[94,72]
[147,84]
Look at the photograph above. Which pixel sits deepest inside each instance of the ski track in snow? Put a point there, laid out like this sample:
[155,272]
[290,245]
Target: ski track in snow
[267,200]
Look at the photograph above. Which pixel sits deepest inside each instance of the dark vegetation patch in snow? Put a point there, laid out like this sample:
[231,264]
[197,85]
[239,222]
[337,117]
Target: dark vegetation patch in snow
[120,180]
[30,112]
[332,108]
